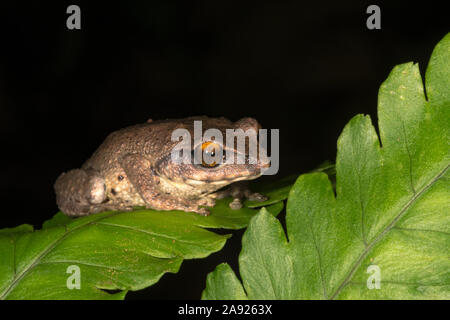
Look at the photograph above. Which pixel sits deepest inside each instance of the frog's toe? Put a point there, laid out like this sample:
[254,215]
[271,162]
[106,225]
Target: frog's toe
[202,211]
[257,197]
[208,202]
[236,204]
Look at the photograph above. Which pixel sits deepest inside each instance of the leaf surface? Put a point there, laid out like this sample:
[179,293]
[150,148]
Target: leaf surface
[116,251]
[386,233]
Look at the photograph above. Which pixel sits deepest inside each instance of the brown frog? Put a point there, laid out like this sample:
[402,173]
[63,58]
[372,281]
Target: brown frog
[133,167]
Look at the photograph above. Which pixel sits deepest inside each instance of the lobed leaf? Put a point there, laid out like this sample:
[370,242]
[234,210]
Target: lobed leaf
[386,233]
[116,251]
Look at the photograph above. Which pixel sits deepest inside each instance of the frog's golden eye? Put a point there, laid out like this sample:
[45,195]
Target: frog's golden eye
[209,151]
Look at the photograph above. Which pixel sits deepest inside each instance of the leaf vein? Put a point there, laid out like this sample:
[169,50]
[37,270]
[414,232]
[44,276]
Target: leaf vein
[39,257]
[147,232]
[386,230]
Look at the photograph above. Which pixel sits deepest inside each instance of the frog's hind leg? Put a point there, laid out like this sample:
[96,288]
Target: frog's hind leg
[80,192]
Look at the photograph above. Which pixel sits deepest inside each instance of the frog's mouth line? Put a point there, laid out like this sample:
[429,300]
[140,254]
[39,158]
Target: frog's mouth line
[251,175]
[222,182]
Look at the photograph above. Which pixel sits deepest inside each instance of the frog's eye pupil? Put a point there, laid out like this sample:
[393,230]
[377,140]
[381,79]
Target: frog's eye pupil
[209,148]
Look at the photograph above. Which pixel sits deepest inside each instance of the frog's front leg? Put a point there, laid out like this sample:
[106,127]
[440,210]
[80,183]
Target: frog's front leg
[238,191]
[140,173]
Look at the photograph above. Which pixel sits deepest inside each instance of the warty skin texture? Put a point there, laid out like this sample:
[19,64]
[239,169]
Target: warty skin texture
[133,167]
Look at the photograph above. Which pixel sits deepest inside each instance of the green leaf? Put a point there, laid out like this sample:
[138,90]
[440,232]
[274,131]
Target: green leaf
[275,191]
[389,220]
[279,190]
[117,251]
[223,283]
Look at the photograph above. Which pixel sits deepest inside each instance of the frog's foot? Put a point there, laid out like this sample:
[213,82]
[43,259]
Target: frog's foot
[202,211]
[255,196]
[173,204]
[197,206]
[78,192]
[236,204]
[207,202]
[239,192]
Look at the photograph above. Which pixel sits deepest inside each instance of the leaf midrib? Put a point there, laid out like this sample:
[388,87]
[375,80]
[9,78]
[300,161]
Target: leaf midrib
[18,277]
[383,232]
[161,235]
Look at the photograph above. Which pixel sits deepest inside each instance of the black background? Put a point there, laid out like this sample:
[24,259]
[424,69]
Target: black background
[304,67]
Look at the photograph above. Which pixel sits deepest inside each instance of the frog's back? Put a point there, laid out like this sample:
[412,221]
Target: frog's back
[152,139]
[116,145]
